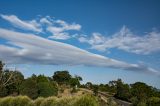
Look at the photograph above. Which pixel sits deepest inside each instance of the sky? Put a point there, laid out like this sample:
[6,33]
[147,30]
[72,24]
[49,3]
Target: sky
[100,40]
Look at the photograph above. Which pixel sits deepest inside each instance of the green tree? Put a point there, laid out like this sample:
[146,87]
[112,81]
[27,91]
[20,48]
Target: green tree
[3,90]
[123,90]
[95,89]
[15,81]
[74,82]
[153,101]
[112,86]
[38,86]
[89,85]
[103,87]
[141,92]
[46,89]
[45,86]
[78,77]
[30,88]
[42,78]
[9,81]
[62,77]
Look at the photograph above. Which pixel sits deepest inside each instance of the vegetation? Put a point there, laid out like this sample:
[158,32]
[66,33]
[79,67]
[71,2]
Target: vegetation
[85,100]
[40,90]
[139,93]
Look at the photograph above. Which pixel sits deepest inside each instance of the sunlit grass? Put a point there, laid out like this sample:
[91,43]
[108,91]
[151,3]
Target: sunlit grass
[84,100]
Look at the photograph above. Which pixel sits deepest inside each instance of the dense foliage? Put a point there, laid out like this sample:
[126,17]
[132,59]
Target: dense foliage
[139,93]
[13,83]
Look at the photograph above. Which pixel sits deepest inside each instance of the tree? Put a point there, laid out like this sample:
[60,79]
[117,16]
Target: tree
[30,88]
[46,89]
[112,86]
[141,91]
[45,86]
[154,101]
[95,89]
[3,90]
[62,77]
[89,85]
[103,87]
[78,77]
[74,82]
[9,80]
[17,78]
[38,86]
[42,78]
[123,90]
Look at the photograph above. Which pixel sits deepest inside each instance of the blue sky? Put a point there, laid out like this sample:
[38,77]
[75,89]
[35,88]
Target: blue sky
[98,40]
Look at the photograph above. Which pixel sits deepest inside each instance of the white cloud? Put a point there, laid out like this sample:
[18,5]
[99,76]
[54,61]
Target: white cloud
[96,39]
[26,25]
[58,28]
[67,26]
[127,41]
[29,48]
[45,20]
[61,36]
[60,31]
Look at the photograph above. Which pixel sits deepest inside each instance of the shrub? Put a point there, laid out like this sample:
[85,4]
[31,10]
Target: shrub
[50,101]
[74,90]
[15,101]
[38,101]
[111,102]
[3,91]
[86,100]
[5,101]
[154,101]
[20,101]
[66,102]
[141,104]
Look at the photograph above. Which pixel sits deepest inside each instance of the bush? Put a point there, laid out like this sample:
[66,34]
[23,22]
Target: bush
[87,100]
[3,91]
[111,102]
[154,101]
[15,101]
[74,90]
[50,101]
[20,101]
[66,102]
[5,101]
[38,101]
[141,104]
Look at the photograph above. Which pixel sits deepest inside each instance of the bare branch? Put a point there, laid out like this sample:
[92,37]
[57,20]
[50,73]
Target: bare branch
[8,79]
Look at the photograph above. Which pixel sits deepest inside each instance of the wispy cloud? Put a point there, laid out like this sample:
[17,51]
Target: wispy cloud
[29,48]
[125,40]
[32,25]
[61,31]
[58,29]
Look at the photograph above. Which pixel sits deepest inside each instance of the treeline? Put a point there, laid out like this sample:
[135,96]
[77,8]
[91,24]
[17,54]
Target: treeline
[13,83]
[139,93]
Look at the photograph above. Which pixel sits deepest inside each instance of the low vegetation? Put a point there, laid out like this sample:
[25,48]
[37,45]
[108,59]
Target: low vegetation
[62,89]
[85,100]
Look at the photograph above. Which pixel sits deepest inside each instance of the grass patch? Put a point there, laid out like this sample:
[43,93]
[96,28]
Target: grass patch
[84,100]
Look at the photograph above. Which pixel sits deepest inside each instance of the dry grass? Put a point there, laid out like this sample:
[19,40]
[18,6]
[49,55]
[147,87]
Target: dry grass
[83,100]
